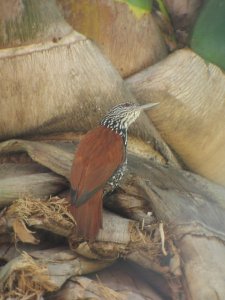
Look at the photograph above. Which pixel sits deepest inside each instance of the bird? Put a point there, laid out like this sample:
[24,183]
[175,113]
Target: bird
[99,164]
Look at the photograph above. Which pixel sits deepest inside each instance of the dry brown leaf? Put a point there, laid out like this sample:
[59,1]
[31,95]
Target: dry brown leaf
[51,215]
[23,233]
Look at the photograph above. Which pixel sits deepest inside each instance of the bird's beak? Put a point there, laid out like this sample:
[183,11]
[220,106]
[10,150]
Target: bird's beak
[147,106]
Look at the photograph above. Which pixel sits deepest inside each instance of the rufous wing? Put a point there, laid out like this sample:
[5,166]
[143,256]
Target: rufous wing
[99,154]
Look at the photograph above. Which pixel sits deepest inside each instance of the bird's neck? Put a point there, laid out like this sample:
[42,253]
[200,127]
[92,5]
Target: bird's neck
[117,127]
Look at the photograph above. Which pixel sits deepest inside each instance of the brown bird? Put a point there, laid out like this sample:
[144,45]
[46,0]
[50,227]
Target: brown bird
[99,164]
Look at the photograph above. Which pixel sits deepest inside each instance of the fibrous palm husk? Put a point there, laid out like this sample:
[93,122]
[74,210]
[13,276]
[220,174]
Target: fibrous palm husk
[58,265]
[123,26]
[187,117]
[111,243]
[189,211]
[118,282]
[61,83]
[83,288]
[192,227]
[21,180]
[194,208]
[51,215]
[27,22]
[41,182]
[54,158]
[118,237]
[43,271]
[23,277]
[54,109]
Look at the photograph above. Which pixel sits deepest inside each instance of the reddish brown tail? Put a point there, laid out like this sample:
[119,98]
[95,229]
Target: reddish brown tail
[88,217]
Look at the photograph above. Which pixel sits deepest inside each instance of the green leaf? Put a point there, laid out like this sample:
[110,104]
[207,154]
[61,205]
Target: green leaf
[208,38]
[138,7]
[144,4]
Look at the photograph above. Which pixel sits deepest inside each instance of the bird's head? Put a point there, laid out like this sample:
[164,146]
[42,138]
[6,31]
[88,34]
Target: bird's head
[121,116]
